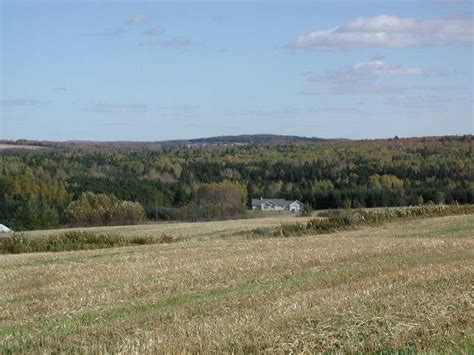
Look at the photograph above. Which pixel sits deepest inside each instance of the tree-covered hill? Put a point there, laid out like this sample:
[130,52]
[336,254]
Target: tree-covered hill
[259,139]
[36,186]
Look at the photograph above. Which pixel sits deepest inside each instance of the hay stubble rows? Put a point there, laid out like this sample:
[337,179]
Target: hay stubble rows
[398,286]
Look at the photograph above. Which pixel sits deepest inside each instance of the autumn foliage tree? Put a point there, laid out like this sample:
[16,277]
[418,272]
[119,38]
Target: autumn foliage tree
[215,201]
[36,186]
[102,209]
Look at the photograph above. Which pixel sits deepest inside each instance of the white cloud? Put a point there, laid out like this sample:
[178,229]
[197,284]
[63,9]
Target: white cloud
[102,107]
[154,31]
[177,42]
[388,32]
[179,108]
[370,70]
[139,20]
[21,102]
[293,111]
[423,102]
[348,89]
[110,33]
[264,111]
[369,88]
[453,1]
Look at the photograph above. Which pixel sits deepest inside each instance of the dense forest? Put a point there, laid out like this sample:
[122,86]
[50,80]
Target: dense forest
[37,186]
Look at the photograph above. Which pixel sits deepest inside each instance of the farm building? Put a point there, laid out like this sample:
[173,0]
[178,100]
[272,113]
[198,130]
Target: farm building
[5,229]
[272,204]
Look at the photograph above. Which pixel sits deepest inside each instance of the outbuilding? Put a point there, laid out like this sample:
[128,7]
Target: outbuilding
[5,229]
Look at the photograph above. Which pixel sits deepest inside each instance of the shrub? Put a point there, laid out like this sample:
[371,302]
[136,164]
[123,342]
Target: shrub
[17,243]
[95,210]
[307,211]
[348,219]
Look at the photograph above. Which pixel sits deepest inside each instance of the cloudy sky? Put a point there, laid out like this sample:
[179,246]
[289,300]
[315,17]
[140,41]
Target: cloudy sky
[115,70]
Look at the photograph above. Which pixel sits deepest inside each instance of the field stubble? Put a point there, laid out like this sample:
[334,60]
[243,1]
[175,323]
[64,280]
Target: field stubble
[182,230]
[399,286]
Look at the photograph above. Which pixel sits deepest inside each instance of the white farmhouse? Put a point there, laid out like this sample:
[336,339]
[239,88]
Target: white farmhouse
[276,204]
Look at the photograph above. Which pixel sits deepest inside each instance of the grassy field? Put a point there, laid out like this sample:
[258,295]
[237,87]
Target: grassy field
[183,230]
[403,286]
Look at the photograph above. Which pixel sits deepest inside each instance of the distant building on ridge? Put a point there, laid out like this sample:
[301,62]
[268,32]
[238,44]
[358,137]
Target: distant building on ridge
[276,204]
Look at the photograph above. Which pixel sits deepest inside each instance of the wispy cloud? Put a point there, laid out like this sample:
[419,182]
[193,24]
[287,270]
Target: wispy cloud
[370,88]
[264,111]
[348,89]
[370,70]
[423,101]
[177,42]
[110,32]
[154,31]
[388,32]
[102,107]
[294,111]
[21,102]
[139,20]
[172,43]
[453,1]
[179,108]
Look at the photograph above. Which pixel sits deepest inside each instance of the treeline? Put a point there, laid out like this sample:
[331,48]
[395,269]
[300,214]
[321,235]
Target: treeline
[210,201]
[37,186]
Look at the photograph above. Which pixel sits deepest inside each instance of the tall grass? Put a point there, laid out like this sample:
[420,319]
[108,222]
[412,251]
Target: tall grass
[17,243]
[337,220]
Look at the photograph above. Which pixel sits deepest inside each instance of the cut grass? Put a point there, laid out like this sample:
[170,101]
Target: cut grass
[120,236]
[109,237]
[397,287]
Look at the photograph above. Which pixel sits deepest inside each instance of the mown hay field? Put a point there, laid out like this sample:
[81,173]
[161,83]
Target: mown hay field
[401,286]
[182,230]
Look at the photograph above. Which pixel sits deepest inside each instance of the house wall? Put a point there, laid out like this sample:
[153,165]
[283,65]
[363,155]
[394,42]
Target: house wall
[296,207]
[272,208]
[293,207]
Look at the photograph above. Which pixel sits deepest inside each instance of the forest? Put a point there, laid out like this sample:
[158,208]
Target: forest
[37,187]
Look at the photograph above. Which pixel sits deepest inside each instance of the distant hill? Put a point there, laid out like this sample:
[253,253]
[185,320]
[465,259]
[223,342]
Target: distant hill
[237,140]
[256,139]
[266,139]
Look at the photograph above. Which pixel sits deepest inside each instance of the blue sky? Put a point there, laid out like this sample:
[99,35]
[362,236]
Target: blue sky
[115,70]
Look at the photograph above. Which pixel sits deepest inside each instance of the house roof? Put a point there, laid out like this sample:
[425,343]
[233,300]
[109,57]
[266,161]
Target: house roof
[298,202]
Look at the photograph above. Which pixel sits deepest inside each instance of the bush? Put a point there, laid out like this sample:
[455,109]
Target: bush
[96,210]
[17,243]
[348,219]
[308,210]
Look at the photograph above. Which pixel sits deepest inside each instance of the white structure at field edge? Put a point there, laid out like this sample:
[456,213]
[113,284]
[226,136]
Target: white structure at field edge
[5,229]
[276,204]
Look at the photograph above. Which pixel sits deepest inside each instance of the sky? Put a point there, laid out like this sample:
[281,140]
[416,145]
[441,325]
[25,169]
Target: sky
[149,71]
